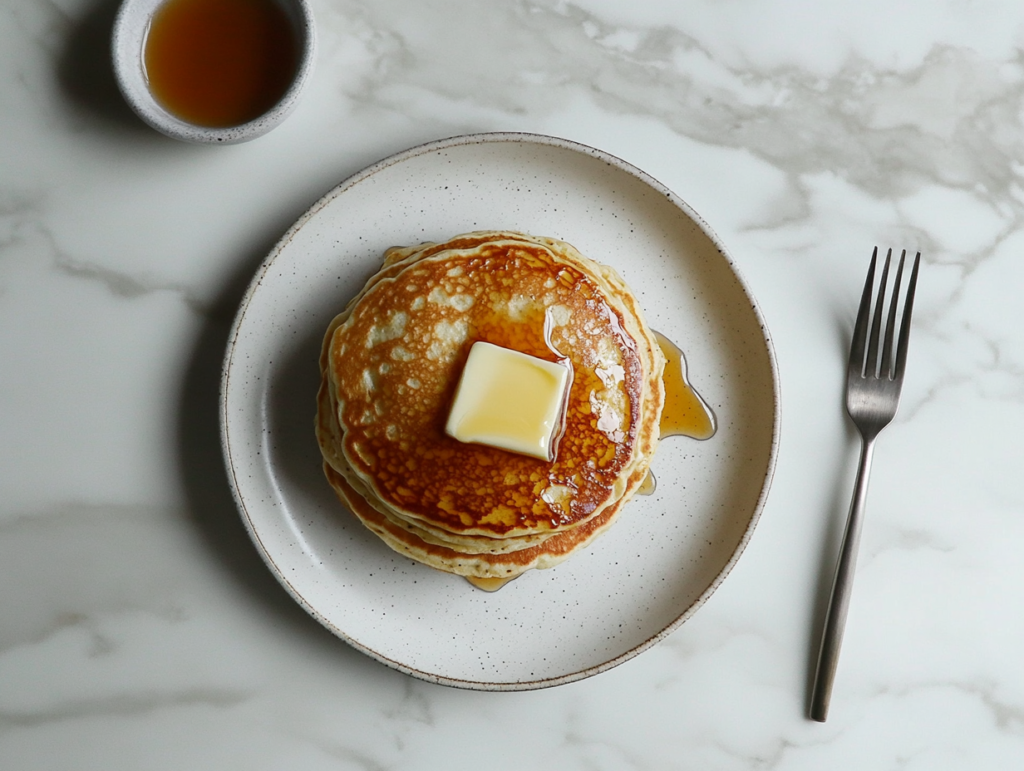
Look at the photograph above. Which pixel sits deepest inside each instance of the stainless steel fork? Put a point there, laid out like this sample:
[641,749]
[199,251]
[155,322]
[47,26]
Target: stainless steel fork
[872,397]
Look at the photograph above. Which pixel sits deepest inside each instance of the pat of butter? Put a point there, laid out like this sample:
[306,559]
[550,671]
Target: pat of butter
[509,400]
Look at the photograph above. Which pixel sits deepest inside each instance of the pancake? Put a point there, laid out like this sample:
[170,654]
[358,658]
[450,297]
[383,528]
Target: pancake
[390,365]
[505,565]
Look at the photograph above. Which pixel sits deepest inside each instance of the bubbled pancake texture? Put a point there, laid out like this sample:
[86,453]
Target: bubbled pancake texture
[391,362]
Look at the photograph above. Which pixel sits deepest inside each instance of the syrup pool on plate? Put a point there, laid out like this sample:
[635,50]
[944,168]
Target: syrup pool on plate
[685,412]
[489,584]
[220,63]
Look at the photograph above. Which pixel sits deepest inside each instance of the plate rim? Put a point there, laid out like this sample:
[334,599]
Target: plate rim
[432,147]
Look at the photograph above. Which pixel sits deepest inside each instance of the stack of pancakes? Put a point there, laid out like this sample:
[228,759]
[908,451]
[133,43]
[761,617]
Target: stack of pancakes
[390,366]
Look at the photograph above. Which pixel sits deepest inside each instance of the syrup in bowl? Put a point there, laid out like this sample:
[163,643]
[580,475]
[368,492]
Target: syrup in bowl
[220,63]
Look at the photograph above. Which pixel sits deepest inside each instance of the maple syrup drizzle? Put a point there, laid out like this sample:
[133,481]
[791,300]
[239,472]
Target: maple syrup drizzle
[489,584]
[685,412]
[566,362]
[649,485]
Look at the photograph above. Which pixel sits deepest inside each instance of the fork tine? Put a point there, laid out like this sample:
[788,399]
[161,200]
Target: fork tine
[860,329]
[890,325]
[908,309]
[871,370]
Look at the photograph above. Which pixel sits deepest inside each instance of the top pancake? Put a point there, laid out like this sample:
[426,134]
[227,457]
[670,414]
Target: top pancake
[392,361]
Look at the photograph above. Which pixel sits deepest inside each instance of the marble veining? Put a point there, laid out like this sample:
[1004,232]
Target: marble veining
[138,628]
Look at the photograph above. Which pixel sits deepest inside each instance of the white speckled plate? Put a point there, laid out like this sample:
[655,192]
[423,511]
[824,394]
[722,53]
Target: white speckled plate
[666,554]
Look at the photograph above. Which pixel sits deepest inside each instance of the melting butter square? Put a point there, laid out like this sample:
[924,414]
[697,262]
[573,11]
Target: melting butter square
[509,400]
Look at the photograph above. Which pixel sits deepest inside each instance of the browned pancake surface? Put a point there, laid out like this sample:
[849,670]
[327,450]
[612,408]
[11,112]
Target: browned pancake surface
[508,565]
[396,361]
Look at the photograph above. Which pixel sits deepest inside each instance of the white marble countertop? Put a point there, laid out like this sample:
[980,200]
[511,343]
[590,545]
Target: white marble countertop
[140,630]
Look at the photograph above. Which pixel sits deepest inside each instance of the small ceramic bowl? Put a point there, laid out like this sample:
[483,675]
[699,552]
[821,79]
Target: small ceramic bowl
[127,47]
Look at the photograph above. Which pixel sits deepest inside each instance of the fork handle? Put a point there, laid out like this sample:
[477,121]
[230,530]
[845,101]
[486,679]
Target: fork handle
[842,588]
